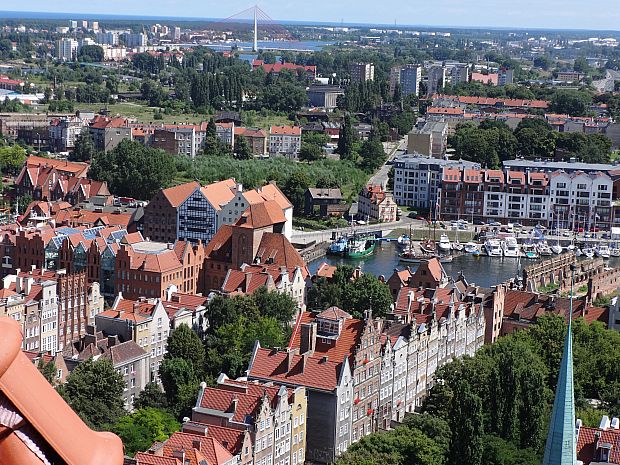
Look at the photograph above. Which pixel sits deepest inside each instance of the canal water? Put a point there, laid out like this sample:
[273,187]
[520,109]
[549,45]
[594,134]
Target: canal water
[483,271]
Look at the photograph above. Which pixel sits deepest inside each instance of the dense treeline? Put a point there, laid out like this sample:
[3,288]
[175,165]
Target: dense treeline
[492,142]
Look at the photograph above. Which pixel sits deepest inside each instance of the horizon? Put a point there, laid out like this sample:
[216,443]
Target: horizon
[549,17]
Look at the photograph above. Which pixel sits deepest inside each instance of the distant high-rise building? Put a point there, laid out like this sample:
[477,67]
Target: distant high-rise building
[95,25]
[410,77]
[73,24]
[362,72]
[177,33]
[108,38]
[155,28]
[66,49]
[165,30]
[135,40]
[84,24]
[506,76]
[460,74]
[436,79]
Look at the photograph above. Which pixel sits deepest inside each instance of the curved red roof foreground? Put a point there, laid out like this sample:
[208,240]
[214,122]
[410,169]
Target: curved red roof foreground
[58,431]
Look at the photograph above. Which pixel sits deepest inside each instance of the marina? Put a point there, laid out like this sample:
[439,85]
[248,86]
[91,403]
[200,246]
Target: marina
[494,261]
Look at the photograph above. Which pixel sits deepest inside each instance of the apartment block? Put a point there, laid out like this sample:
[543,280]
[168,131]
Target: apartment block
[417,179]
[361,72]
[108,132]
[66,49]
[570,200]
[408,77]
[285,140]
[436,79]
[429,139]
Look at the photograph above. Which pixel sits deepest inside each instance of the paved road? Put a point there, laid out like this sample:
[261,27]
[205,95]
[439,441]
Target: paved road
[305,237]
[392,149]
[607,84]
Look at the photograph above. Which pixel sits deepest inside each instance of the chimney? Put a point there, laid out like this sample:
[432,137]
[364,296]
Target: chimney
[304,361]
[179,454]
[196,444]
[235,403]
[289,359]
[308,338]
[112,341]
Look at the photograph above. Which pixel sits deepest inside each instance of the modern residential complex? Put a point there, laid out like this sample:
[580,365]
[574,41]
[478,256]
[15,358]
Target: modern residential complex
[408,77]
[361,72]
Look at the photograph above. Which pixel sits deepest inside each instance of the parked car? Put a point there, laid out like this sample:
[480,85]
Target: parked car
[479,222]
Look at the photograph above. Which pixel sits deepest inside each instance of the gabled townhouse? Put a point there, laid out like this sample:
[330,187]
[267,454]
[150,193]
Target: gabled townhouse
[187,309]
[275,417]
[63,132]
[285,141]
[144,322]
[376,204]
[270,192]
[38,176]
[237,441]
[74,306]
[76,190]
[249,278]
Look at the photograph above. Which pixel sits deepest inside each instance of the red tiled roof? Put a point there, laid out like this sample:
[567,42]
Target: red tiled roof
[445,111]
[530,306]
[285,130]
[143,458]
[248,403]
[213,451]
[261,215]
[349,338]
[178,194]
[326,270]
[586,444]
[102,122]
[220,193]
[269,364]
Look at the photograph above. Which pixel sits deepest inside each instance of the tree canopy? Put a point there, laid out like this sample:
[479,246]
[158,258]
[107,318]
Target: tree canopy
[144,427]
[94,390]
[133,170]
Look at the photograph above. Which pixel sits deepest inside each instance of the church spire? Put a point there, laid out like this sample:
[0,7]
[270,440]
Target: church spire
[561,445]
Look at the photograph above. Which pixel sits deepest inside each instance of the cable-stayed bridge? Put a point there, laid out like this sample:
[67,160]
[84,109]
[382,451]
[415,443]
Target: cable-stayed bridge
[260,22]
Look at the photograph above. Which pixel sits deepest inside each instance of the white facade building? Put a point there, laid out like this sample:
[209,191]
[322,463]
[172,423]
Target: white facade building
[66,49]
[417,179]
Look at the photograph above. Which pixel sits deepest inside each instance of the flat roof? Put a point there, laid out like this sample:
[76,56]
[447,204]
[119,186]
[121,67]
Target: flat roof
[559,165]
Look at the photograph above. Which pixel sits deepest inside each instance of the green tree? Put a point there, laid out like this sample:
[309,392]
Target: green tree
[91,54]
[151,396]
[94,390]
[48,370]
[347,139]
[84,149]
[144,427]
[497,451]
[571,102]
[372,154]
[243,151]
[401,446]
[12,158]
[367,293]
[275,304]
[180,385]
[230,347]
[183,343]
[295,188]
[133,170]
[309,152]
[466,426]
[581,65]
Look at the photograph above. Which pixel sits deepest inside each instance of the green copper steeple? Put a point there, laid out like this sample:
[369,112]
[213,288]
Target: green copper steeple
[561,445]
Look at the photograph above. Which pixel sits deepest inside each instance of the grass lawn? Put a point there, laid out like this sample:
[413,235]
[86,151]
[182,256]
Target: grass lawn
[142,113]
[313,224]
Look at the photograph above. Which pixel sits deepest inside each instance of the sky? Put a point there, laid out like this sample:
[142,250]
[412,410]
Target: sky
[556,14]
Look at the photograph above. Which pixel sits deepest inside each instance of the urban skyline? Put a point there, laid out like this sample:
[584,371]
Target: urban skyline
[551,14]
